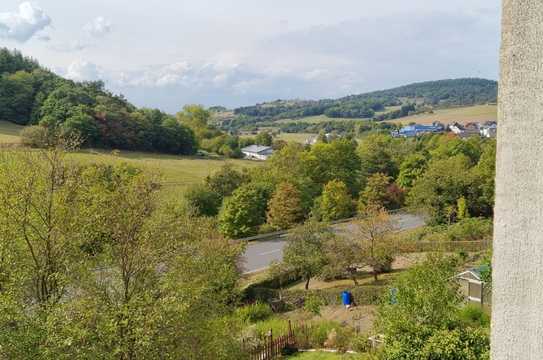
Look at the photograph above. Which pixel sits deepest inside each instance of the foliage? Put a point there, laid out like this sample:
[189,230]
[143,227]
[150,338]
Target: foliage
[337,160]
[423,322]
[254,313]
[313,304]
[225,181]
[304,253]
[473,316]
[470,229]
[92,267]
[335,202]
[244,211]
[381,192]
[344,255]
[375,153]
[411,169]
[375,240]
[469,344]
[203,200]
[264,138]
[438,190]
[285,207]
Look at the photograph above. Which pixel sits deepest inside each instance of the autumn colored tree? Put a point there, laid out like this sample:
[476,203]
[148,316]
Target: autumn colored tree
[285,207]
[380,191]
[375,229]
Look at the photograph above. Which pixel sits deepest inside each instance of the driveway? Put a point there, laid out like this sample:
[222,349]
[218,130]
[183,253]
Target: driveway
[260,254]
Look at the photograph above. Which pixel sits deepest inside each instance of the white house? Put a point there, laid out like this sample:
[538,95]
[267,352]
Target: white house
[257,152]
[489,129]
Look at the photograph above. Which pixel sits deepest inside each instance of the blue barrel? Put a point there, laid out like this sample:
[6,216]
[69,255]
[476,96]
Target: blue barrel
[346,298]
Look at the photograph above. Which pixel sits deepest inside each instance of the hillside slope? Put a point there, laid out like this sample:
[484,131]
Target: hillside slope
[380,105]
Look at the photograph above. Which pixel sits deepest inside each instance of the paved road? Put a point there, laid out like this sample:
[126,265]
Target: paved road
[259,254]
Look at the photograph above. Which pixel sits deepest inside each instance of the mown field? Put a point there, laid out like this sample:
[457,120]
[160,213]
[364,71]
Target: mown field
[9,132]
[479,113]
[176,172]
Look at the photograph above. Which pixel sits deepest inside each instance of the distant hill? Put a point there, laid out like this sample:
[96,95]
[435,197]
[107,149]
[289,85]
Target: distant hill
[380,105]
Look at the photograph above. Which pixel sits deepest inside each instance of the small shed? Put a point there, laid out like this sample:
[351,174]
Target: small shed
[257,152]
[472,286]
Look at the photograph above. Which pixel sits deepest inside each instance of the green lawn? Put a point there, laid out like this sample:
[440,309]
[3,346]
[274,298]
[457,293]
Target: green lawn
[9,132]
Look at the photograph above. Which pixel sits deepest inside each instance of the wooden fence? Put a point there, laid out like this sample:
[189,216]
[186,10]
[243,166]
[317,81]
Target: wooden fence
[274,346]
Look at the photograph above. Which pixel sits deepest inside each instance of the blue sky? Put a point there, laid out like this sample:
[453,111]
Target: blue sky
[168,53]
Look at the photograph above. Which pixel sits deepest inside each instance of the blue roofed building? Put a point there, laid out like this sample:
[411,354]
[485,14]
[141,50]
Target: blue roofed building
[418,129]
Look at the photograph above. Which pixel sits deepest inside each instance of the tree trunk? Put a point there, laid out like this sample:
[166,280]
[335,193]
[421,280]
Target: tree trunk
[307,283]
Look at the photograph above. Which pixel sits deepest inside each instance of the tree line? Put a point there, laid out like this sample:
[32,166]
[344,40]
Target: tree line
[54,107]
[449,177]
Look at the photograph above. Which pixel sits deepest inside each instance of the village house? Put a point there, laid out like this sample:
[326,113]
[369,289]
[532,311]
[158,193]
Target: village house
[257,152]
[489,129]
[464,131]
[418,129]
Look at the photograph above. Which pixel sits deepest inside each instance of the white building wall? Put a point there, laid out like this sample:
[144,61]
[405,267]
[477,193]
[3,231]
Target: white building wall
[517,311]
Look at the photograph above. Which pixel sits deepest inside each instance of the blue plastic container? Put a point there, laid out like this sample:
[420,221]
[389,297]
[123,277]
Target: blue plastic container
[346,298]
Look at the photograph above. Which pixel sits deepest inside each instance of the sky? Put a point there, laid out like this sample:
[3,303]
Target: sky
[169,53]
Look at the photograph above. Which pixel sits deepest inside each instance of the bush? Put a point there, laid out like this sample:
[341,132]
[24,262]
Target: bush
[473,316]
[313,304]
[360,343]
[253,313]
[203,200]
[35,136]
[470,229]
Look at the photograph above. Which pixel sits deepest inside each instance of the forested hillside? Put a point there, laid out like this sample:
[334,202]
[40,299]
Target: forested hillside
[378,105]
[33,95]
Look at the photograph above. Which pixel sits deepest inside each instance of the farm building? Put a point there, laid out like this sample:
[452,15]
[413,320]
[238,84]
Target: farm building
[257,152]
[472,286]
[418,129]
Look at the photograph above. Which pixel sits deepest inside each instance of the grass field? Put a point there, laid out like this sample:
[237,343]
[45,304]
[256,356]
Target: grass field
[176,172]
[9,132]
[479,113]
[296,137]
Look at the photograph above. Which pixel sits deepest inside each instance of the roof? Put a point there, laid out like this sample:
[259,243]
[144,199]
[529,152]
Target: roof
[256,149]
[475,273]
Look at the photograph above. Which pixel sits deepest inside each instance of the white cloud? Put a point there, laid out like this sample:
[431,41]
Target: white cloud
[22,25]
[98,27]
[81,70]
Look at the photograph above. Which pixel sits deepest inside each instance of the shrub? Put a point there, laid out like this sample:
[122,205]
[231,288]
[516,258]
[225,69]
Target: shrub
[360,343]
[473,316]
[203,200]
[35,136]
[255,312]
[313,304]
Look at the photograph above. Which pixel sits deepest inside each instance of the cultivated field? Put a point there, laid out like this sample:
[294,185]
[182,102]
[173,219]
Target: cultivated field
[479,113]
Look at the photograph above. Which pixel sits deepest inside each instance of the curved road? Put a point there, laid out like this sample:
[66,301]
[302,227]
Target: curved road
[260,254]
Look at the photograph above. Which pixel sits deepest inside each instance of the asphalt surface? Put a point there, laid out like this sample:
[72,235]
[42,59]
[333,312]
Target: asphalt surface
[260,254]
